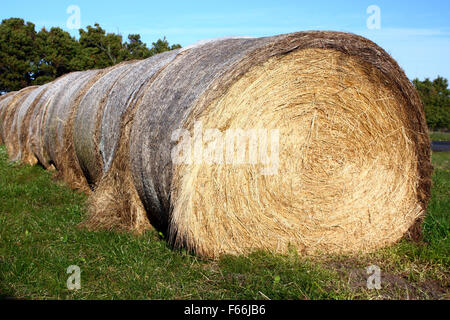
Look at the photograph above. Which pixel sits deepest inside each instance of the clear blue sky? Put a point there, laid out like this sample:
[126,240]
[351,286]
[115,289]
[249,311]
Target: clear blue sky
[416,33]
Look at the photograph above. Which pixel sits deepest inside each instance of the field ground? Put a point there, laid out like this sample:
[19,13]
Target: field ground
[440,136]
[39,240]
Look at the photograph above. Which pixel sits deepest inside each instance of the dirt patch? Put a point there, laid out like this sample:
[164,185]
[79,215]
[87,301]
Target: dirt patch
[393,286]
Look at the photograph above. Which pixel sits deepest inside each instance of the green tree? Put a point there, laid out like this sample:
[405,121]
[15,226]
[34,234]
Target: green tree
[162,46]
[18,54]
[435,96]
[57,54]
[136,48]
[27,57]
[100,50]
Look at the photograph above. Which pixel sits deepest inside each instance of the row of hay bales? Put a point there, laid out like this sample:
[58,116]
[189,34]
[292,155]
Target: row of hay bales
[354,167]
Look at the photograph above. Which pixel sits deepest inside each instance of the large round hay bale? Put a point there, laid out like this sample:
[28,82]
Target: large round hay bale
[88,120]
[23,120]
[115,203]
[4,102]
[58,113]
[38,115]
[315,140]
[10,134]
[69,167]
[122,97]
[335,151]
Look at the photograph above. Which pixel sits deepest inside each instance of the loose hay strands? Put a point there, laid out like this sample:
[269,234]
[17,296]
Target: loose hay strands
[114,204]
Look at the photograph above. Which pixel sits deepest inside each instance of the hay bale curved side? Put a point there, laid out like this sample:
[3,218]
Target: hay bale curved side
[37,126]
[354,167]
[58,113]
[114,204]
[9,128]
[4,102]
[87,122]
[164,108]
[24,119]
[123,96]
[70,169]
[3,96]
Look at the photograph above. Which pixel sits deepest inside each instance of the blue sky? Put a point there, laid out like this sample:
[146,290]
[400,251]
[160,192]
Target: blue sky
[416,33]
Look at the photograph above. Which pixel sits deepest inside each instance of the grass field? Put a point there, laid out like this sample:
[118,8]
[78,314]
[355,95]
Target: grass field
[440,136]
[39,240]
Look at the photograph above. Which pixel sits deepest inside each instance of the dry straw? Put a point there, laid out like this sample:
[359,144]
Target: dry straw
[354,169]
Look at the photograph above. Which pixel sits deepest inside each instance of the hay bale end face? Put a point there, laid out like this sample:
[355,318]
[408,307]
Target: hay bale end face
[312,140]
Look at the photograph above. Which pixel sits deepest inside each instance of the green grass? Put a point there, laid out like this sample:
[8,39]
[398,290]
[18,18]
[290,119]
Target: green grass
[39,240]
[440,136]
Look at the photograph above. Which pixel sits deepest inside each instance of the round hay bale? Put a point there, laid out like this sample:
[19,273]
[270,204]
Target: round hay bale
[336,156]
[58,113]
[69,168]
[88,120]
[23,120]
[38,116]
[122,97]
[9,130]
[4,102]
[114,204]
[3,96]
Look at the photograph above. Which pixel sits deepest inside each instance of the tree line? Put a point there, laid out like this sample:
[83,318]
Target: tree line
[435,96]
[29,58]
